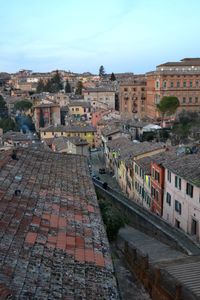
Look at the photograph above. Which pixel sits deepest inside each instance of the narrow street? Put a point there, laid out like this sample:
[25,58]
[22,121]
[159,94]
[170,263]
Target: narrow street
[129,287]
[97,162]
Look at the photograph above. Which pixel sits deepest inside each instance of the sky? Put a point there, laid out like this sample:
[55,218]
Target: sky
[80,35]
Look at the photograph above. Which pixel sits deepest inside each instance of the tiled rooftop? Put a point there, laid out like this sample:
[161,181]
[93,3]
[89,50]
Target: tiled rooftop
[127,148]
[186,166]
[53,243]
[70,128]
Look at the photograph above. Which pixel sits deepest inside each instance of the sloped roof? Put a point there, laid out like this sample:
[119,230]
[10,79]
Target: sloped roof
[53,242]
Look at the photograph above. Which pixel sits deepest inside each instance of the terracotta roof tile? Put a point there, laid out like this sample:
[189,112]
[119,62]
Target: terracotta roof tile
[53,243]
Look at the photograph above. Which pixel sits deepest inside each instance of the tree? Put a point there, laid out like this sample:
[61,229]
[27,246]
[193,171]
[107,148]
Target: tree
[40,86]
[79,88]
[102,72]
[112,77]
[3,108]
[8,124]
[23,105]
[67,87]
[168,106]
[112,218]
[56,83]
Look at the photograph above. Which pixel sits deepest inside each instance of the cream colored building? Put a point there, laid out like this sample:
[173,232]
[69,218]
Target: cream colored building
[181,204]
[100,98]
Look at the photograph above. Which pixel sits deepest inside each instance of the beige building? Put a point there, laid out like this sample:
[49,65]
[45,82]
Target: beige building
[73,145]
[100,98]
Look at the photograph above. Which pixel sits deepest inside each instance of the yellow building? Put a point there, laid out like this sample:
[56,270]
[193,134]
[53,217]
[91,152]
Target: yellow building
[80,109]
[84,131]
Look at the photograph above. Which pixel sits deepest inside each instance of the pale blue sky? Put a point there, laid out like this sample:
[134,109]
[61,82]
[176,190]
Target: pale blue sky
[81,35]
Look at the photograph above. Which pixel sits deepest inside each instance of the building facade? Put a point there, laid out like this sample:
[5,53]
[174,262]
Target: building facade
[179,79]
[132,98]
[100,98]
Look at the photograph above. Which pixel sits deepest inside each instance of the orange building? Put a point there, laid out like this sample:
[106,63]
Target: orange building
[180,79]
[50,114]
[132,98]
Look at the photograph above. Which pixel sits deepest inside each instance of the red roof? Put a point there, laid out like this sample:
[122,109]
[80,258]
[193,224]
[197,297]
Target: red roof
[53,243]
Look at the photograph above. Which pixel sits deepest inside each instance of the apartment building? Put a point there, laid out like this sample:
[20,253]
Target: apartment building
[132,98]
[100,98]
[142,188]
[180,79]
[82,130]
[46,114]
[80,110]
[181,205]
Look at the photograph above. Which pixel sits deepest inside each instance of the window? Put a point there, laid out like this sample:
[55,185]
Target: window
[178,84]
[178,182]
[157,84]
[153,192]
[157,176]
[77,109]
[190,83]
[136,169]
[164,84]
[156,195]
[61,133]
[171,84]
[44,133]
[184,100]
[72,109]
[197,83]
[189,190]
[190,100]
[196,99]
[178,207]
[184,84]
[136,185]
[153,172]
[169,176]
[125,90]
[168,198]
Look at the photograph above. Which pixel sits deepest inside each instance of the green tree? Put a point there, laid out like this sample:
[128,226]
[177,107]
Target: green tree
[54,84]
[112,218]
[102,72]
[112,77]
[79,88]
[168,106]
[23,105]
[8,124]
[40,86]
[3,108]
[67,87]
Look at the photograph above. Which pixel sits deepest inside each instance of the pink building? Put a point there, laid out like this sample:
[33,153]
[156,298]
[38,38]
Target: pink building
[181,205]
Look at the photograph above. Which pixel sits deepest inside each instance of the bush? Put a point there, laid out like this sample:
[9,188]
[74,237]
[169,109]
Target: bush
[112,219]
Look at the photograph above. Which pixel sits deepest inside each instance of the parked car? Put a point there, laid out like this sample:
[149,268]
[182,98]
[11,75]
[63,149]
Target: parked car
[102,171]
